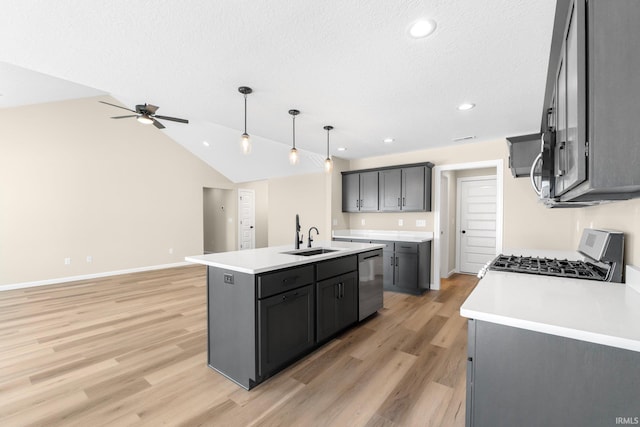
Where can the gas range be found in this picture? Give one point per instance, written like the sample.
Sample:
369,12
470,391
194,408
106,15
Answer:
603,252
548,267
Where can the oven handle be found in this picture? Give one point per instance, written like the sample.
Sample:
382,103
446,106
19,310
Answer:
531,172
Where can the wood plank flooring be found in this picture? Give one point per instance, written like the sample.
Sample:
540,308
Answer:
131,350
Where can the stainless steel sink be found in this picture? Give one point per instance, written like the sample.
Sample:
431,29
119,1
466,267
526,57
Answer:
310,252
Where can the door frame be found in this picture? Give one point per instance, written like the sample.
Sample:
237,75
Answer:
253,216
499,165
459,214
444,227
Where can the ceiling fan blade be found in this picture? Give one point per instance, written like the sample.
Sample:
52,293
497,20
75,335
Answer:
157,124
114,105
124,117
151,108
173,119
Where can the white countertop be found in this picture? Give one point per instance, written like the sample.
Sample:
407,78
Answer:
587,310
391,235
254,261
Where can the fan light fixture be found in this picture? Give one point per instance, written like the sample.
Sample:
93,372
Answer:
245,141
328,164
422,28
144,119
293,153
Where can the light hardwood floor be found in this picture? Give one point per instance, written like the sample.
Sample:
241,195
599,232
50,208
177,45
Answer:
131,350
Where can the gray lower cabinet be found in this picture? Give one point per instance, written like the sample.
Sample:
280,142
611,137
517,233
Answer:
337,304
281,339
517,377
259,324
406,266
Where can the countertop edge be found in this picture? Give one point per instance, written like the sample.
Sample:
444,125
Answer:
608,340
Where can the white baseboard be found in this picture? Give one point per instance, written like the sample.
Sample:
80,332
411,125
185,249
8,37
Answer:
90,276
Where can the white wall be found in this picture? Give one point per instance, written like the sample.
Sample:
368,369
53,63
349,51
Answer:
75,183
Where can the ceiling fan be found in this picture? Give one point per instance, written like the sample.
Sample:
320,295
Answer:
146,114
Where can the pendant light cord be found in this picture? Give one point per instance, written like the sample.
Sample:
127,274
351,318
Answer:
245,113
294,131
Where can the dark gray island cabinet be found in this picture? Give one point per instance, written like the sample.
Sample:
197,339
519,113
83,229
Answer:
259,323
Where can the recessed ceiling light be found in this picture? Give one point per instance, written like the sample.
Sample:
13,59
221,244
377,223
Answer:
388,140
342,148
466,106
205,143
422,28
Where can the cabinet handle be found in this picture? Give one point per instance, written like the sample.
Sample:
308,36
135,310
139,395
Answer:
284,297
399,201
396,261
392,261
360,202
289,279
357,203
404,202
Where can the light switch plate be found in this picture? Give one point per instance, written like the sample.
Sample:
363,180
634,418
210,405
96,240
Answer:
400,222
421,222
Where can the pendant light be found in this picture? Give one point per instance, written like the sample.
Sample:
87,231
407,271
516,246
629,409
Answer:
245,141
293,153
328,164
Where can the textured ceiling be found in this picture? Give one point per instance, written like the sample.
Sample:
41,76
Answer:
350,64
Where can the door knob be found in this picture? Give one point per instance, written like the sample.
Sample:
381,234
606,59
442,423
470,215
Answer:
464,231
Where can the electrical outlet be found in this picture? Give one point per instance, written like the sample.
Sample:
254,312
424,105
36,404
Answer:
400,222
228,278
362,221
335,221
67,261
421,222
170,251
89,259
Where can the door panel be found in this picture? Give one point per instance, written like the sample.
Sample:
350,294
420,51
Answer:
413,191
477,223
350,192
390,185
246,223
369,191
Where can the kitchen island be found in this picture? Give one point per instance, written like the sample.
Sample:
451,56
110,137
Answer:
268,307
552,351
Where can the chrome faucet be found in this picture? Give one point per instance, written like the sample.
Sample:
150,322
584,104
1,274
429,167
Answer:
298,236
310,239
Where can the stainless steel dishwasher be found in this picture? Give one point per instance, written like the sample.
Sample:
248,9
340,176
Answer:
369,283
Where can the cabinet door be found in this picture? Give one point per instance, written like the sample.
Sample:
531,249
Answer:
388,268
368,192
327,308
286,328
351,192
406,271
337,304
348,300
413,191
390,190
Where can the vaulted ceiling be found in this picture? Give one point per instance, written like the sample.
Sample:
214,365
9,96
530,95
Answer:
350,64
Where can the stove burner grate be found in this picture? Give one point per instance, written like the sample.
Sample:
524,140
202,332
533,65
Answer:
548,267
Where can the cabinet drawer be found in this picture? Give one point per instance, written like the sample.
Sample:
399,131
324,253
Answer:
388,245
410,247
284,280
336,266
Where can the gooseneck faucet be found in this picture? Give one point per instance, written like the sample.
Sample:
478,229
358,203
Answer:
310,239
298,236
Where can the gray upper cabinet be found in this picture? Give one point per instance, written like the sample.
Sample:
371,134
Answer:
405,189
590,102
360,192
389,189
390,194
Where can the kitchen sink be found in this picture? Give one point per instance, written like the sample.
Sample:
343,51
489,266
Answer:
310,252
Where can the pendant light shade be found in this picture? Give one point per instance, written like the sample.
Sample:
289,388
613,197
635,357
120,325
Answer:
328,163
293,153
245,141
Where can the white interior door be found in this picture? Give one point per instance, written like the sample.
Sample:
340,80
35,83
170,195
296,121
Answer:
476,227
246,219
